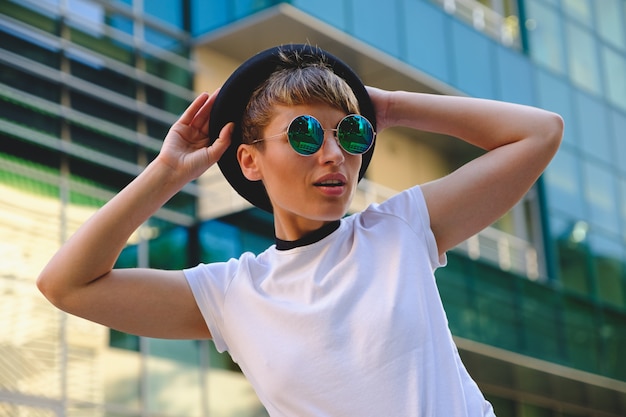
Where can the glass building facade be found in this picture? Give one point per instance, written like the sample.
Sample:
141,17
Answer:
88,89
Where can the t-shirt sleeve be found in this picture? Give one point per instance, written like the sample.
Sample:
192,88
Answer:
209,284
411,206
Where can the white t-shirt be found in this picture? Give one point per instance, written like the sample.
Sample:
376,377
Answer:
351,325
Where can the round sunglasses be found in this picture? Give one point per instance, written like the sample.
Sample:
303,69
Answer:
354,133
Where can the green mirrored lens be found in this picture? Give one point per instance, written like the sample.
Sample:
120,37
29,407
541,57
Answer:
305,135
355,134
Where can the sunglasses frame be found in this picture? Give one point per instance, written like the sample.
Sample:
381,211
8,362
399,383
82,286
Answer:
335,130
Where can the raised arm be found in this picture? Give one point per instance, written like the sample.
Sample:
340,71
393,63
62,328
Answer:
520,141
79,279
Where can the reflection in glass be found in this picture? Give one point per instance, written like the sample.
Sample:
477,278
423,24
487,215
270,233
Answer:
609,24
614,66
608,262
544,36
600,192
583,62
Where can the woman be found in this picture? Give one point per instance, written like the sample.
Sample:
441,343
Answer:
341,317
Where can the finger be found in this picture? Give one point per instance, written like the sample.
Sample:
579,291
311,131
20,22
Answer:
217,149
201,119
188,115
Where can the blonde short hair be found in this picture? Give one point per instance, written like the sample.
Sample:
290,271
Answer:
299,79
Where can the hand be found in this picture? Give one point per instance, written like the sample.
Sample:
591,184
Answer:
380,99
186,146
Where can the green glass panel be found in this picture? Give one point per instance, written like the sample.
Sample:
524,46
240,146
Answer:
496,307
581,334
455,287
540,316
28,15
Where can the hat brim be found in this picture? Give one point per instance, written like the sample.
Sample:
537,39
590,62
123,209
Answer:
233,98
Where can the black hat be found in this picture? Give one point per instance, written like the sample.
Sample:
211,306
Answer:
233,98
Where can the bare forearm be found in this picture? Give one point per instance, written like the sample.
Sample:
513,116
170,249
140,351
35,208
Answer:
92,251
484,123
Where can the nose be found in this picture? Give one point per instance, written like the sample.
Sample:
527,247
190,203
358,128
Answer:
331,151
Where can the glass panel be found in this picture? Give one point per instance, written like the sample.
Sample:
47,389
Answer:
583,61
103,44
555,93
455,287
572,254
614,336
543,26
168,246
591,125
218,241
423,21
529,410
608,260
174,385
618,129
581,332
102,110
495,305
578,9
29,117
104,143
31,15
622,204
164,41
29,83
209,15
609,23
170,11
513,66
473,71
28,45
168,71
600,193
166,101
614,66
121,376
370,14
540,309
93,69
563,185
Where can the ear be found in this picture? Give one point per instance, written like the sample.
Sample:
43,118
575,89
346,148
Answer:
247,158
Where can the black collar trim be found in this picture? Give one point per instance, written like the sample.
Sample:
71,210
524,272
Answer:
308,239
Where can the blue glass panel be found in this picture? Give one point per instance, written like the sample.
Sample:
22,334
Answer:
555,94
579,10
169,11
543,27
331,11
609,21
622,204
618,130
473,58
614,66
208,15
563,185
582,58
425,23
592,126
243,8
600,193
218,241
515,77
377,25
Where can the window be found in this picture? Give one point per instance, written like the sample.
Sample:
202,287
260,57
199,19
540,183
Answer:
582,58
544,36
